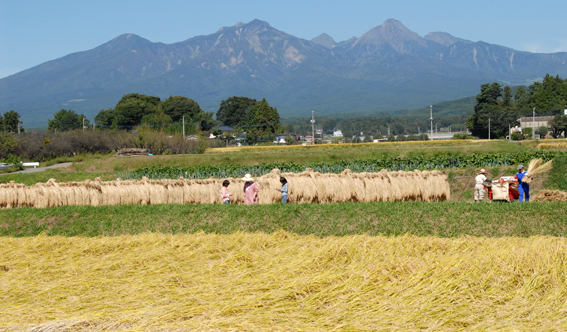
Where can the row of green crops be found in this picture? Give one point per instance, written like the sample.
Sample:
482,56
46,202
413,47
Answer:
369,165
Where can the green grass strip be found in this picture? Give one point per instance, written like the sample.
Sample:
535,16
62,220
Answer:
445,219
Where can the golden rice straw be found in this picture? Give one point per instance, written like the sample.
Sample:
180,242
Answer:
551,196
143,188
305,187
270,182
359,187
537,168
281,282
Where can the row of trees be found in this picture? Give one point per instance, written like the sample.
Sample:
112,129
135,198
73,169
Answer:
258,119
10,122
141,110
377,126
502,108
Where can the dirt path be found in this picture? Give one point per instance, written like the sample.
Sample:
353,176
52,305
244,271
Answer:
40,169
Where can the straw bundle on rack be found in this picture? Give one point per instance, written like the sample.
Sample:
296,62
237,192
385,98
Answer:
305,187
536,167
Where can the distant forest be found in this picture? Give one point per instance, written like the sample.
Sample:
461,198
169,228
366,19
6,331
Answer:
448,115
499,104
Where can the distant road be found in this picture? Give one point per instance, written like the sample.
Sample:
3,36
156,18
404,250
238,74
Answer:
40,169
441,136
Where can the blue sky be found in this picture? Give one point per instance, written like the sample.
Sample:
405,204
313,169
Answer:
33,32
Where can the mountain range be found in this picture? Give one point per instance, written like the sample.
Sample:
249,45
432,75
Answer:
388,68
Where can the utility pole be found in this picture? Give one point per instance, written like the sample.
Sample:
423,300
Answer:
489,128
436,127
388,130
183,128
533,125
431,118
83,125
18,128
312,127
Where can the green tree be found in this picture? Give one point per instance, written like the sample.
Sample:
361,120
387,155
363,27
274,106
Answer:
558,125
1,123
12,121
251,138
205,120
133,107
65,120
487,106
267,118
235,111
367,139
157,119
507,96
179,106
106,119
542,131
520,95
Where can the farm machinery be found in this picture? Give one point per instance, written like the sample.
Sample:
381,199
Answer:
505,189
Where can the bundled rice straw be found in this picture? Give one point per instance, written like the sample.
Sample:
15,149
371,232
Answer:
305,187
282,282
536,167
551,196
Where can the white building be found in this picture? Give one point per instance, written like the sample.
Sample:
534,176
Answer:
337,133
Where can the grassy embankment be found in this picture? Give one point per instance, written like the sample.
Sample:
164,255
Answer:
444,219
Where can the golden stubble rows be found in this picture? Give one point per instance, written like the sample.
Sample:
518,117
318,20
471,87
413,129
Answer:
282,281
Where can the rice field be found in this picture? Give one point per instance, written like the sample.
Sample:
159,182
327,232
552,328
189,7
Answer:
73,259
282,282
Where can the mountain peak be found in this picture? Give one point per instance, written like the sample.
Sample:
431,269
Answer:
393,23
325,40
391,33
444,38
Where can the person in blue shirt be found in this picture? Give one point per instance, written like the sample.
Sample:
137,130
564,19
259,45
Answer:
284,189
523,188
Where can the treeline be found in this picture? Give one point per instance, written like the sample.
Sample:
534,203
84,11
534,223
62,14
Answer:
379,126
257,119
498,107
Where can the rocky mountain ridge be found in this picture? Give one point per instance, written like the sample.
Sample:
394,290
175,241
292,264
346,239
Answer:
388,68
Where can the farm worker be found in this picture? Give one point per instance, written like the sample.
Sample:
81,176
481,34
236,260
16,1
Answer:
479,186
523,188
225,195
250,190
284,189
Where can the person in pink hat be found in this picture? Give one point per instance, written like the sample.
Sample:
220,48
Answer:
250,190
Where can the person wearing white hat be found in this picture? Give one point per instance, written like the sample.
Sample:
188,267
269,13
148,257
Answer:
250,190
479,186
523,188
